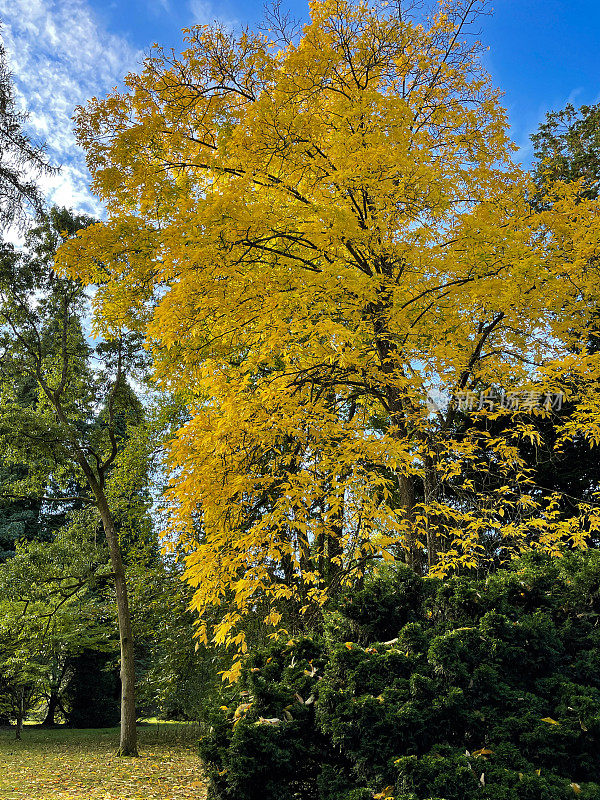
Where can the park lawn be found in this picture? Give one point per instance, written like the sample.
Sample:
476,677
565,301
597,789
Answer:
64,764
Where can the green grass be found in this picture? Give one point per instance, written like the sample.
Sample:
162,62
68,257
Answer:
65,764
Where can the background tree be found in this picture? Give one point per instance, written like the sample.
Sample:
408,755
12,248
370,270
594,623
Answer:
22,161
52,615
40,319
567,148
30,511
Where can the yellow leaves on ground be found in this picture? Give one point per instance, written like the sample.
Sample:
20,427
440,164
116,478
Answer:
82,765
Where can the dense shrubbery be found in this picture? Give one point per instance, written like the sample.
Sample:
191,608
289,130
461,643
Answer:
92,695
469,689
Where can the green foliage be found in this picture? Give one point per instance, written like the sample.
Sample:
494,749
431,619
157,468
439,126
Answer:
378,611
42,341
81,433
567,148
53,607
488,690
179,677
19,517
266,743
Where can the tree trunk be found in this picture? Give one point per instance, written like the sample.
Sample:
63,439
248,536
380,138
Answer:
379,312
335,547
128,741
49,721
430,485
128,738
20,714
95,481
413,555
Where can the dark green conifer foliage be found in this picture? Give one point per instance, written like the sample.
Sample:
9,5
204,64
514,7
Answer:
22,161
488,690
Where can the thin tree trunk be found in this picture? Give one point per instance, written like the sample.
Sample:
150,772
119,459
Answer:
430,485
128,741
20,714
128,738
406,487
95,481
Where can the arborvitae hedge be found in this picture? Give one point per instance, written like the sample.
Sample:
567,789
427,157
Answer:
418,689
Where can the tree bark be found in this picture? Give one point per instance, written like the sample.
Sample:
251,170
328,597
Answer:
128,740
20,714
413,556
430,486
49,721
379,312
128,737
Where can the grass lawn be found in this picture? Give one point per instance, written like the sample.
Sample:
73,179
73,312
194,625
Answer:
64,764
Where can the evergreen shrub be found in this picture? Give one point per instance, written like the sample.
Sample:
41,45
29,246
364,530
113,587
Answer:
417,689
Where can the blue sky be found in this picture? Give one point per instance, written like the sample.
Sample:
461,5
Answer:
543,54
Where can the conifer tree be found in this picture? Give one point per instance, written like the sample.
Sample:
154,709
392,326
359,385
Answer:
22,161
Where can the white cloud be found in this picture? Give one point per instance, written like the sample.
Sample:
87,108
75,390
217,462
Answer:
202,12
160,5
60,56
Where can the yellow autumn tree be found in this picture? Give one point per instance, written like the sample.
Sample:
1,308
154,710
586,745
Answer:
317,234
